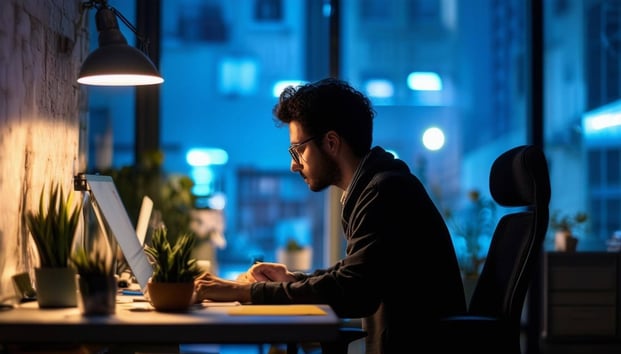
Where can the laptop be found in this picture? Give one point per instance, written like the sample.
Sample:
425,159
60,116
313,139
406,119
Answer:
112,212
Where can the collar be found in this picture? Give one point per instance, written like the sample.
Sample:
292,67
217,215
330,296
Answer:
354,178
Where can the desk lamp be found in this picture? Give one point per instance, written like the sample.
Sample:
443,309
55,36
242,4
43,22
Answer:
115,63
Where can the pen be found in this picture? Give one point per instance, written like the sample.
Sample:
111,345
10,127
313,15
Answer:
131,292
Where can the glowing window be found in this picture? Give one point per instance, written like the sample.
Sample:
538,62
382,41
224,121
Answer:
424,81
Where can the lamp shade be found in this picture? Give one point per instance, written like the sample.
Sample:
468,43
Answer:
115,63
118,65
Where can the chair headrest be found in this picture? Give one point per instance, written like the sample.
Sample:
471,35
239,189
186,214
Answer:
519,177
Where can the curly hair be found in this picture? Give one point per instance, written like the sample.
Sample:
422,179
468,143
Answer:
329,104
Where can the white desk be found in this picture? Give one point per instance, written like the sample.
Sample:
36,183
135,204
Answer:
28,324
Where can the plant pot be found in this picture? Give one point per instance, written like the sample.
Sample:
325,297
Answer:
56,287
170,297
96,294
564,241
571,244
299,260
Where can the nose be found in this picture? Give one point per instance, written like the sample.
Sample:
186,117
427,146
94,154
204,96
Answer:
295,167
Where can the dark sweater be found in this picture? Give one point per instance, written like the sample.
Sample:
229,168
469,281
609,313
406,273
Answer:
400,270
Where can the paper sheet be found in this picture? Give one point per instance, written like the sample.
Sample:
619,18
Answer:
207,303
276,310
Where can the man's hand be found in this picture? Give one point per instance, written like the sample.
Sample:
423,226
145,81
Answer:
269,272
245,277
210,287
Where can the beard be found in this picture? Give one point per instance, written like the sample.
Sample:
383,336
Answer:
326,174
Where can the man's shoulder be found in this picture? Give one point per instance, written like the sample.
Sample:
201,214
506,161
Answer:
402,177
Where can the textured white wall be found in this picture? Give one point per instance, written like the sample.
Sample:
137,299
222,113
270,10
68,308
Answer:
42,44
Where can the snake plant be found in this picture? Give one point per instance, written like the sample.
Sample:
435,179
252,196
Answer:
91,264
172,262
53,226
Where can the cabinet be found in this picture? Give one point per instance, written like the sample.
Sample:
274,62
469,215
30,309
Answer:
582,296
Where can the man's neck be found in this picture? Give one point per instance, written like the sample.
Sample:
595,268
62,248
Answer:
348,169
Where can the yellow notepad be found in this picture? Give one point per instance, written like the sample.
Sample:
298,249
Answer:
276,310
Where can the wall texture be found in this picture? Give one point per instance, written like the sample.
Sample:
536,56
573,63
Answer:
42,114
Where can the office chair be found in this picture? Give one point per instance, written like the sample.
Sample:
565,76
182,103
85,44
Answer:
518,178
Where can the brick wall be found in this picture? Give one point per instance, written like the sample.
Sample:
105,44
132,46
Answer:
42,115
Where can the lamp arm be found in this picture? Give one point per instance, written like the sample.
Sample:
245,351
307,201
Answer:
99,4
118,14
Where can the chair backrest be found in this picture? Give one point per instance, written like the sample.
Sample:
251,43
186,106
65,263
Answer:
518,178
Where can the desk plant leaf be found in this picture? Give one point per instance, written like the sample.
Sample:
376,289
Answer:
293,245
474,223
91,264
567,222
172,262
53,226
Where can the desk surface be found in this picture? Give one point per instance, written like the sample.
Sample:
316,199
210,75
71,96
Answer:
137,323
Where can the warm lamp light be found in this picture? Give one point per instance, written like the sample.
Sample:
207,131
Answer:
115,63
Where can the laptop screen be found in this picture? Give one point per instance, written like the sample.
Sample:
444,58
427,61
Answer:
107,198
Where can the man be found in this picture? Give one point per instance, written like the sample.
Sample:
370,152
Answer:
400,270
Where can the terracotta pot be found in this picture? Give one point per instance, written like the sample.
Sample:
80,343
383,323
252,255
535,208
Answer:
170,297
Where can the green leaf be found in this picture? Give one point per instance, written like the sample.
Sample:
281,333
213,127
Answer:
172,262
53,227
93,263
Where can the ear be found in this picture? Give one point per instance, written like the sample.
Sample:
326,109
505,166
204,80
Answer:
332,142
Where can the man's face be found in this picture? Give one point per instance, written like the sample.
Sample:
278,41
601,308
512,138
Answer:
316,166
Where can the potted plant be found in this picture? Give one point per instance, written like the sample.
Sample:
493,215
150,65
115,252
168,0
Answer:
172,194
564,226
472,228
475,224
53,228
171,286
97,282
295,256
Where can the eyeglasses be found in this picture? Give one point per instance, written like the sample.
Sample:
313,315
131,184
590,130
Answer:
294,149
